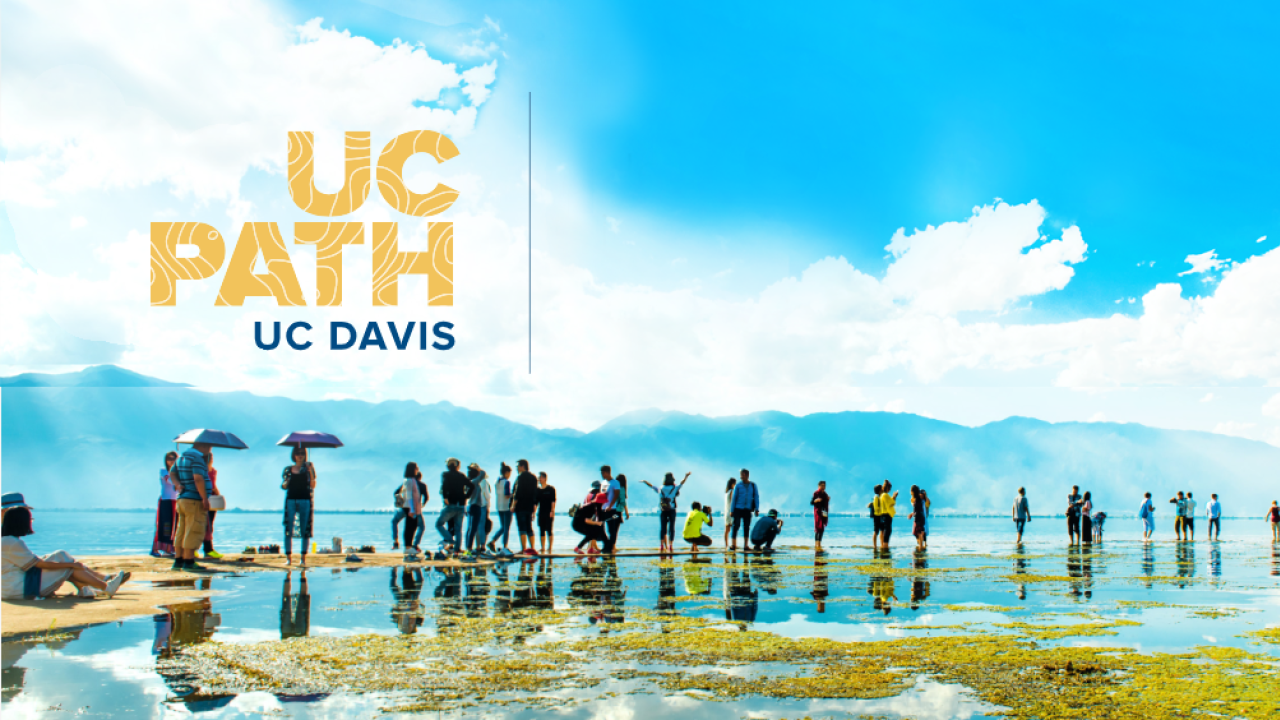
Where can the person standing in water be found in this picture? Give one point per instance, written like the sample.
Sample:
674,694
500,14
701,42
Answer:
1213,511
1179,502
886,508
917,515
546,513
1021,512
667,495
1073,514
1189,519
1273,517
746,505
478,502
821,503
875,517
1147,512
1086,519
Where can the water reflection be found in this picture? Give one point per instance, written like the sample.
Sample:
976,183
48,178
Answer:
884,593
295,610
12,674
1080,568
1185,557
820,590
666,589
741,601
1215,560
1275,560
696,580
919,583
1020,568
186,624
406,607
1148,562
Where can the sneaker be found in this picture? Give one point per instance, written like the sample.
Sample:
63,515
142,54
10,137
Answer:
467,558
577,551
440,557
593,551
178,566
87,592
113,585
354,558
531,552
199,568
213,555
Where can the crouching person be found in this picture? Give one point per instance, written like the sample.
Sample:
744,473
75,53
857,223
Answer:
765,530
27,576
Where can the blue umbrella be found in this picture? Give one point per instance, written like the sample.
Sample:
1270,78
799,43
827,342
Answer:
311,439
216,438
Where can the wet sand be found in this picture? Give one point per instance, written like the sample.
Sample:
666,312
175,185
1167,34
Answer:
150,586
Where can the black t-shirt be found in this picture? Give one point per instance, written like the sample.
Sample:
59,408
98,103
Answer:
585,513
526,492
546,498
299,483
454,487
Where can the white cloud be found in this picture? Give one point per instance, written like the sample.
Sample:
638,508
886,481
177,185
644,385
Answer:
78,222
1207,398
1204,262
982,264
1271,408
1236,429
896,406
614,224
1098,417
1262,239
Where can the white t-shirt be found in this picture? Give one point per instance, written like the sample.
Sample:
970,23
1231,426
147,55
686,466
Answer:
15,560
1191,508
167,490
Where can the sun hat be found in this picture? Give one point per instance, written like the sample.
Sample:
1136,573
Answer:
13,500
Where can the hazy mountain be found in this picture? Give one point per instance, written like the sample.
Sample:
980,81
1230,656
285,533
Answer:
96,439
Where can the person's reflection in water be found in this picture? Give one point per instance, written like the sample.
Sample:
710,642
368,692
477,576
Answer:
765,573
696,581
820,581
666,588
885,594
448,594
1215,561
502,595
1185,557
742,602
406,608
585,588
544,594
613,595
476,602
1148,562
919,583
1020,568
1275,560
184,624
1075,570
295,610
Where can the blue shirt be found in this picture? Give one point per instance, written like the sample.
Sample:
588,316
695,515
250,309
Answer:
190,464
746,497
613,495
763,529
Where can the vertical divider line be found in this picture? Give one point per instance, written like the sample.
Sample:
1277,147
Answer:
530,232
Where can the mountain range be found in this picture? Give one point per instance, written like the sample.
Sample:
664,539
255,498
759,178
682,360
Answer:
96,439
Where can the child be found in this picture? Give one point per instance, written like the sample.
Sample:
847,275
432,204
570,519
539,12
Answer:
1098,519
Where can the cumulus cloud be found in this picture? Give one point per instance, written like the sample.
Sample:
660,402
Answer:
992,259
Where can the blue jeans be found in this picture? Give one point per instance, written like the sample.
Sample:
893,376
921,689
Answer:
300,509
396,519
449,525
504,527
477,515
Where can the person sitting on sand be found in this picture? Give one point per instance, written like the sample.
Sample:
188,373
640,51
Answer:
693,528
26,576
764,532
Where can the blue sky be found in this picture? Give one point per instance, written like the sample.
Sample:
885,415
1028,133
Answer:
1151,126
715,188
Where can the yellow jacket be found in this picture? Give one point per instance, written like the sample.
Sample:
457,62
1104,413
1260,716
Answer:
885,504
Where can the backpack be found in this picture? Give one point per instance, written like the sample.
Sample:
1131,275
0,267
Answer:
667,500
573,511
399,497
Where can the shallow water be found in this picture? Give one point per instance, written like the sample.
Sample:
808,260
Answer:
972,580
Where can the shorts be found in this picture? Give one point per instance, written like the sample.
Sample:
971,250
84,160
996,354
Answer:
701,541
886,527
1149,523
1020,524
524,520
545,524
1189,524
192,518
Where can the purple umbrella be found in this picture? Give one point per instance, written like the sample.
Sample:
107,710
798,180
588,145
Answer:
216,438
310,439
